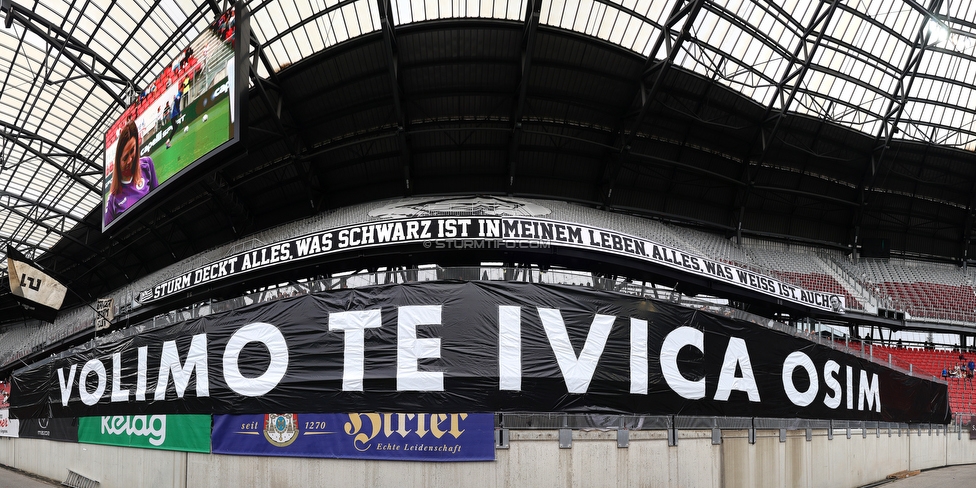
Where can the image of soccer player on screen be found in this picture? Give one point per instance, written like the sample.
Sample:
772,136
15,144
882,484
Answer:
132,177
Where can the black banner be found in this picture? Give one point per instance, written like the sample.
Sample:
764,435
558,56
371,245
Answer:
57,429
476,347
478,233
352,237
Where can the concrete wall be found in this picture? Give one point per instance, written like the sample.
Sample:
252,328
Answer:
960,451
927,451
535,459
819,462
110,465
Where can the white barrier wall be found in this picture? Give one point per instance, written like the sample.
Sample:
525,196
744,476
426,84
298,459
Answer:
926,451
819,462
534,458
110,465
960,452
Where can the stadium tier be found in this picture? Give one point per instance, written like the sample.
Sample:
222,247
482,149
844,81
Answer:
924,293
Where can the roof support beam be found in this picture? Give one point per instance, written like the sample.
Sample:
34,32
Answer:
684,12
889,123
274,106
99,70
305,20
66,235
214,7
239,215
287,124
284,126
532,11
814,196
22,135
800,61
32,204
967,232
389,41
21,138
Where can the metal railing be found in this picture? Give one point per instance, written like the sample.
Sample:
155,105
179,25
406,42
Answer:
565,423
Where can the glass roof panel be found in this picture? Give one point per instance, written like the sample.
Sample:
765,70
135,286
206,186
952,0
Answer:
854,76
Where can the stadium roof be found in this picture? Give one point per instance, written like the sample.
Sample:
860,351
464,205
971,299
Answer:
817,122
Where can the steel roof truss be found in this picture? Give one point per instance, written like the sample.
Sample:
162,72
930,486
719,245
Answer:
33,204
279,111
532,13
800,62
389,40
72,49
15,138
892,117
685,11
239,216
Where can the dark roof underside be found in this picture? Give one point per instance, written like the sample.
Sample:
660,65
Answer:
491,107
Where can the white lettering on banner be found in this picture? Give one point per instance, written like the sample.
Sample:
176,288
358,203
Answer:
66,384
118,394
576,371
490,229
797,359
354,325
638,356
735,374
868,392
272,339
737,357
489,233
196,358
266,256
171,286
214,271
585,237
91,397
451,228
143,352
673,342
850,388
831,368
410,349
139,425
509,348
220,90
410,230
310,246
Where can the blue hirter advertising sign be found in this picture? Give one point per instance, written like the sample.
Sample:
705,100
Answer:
389,436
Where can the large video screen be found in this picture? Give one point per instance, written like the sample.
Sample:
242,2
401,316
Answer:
190,113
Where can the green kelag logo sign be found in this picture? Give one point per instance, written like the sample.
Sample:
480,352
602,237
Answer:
170,432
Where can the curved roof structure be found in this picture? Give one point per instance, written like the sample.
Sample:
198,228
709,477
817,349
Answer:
817,122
